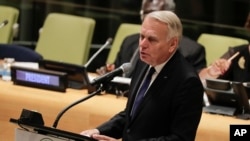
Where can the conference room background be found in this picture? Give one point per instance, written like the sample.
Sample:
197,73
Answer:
226,17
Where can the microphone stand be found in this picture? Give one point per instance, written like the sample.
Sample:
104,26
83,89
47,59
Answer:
109,40
75,103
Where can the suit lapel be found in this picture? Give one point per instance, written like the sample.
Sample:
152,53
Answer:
154,89
136,86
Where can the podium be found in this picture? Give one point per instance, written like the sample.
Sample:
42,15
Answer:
35,132
23,135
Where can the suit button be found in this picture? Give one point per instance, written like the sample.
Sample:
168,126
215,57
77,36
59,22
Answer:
128,130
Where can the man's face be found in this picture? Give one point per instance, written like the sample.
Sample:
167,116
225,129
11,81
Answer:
155,47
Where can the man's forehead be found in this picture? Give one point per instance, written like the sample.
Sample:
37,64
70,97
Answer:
151,27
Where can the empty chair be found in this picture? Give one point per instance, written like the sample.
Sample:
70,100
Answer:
19,53
123,31
9,14
66,38
217,45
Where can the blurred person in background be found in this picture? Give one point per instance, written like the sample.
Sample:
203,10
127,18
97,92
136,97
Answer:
235,69
247,23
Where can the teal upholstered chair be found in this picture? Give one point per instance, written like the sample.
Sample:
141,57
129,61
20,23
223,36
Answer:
216,45
9,14
123,31
66,38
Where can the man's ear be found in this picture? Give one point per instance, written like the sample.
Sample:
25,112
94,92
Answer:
173,44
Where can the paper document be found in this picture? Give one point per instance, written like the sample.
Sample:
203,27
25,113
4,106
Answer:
26,65
121,80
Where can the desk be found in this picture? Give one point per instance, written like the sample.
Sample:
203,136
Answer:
14,98
216,127
88,114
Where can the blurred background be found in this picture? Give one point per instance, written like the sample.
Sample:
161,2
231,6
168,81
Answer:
226,17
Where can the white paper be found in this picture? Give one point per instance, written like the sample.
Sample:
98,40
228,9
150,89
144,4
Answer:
26,65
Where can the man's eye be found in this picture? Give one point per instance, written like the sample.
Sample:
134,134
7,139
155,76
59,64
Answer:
151,39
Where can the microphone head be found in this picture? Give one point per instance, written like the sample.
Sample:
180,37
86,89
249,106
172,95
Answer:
109,40
125,67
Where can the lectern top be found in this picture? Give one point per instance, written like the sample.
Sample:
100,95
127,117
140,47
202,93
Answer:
53,131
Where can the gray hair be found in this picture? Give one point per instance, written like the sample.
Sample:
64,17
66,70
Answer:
171,19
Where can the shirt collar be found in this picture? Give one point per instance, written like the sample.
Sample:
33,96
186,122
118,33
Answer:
159,67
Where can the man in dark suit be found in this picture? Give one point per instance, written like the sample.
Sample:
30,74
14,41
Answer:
192,51
171,107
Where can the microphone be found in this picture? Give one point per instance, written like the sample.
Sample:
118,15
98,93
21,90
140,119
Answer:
3,23
107,77
124,68
108,42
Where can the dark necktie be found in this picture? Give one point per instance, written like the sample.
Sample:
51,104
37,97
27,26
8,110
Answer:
142,91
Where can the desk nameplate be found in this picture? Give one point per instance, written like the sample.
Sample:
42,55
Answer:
39,78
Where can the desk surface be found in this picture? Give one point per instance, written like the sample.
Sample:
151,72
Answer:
88,114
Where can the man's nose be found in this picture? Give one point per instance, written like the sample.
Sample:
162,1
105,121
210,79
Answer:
144,43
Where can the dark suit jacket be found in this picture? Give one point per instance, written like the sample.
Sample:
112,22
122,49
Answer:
191,50
170,111
19,53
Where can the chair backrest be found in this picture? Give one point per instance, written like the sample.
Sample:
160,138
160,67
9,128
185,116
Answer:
66,38
11,15
123,31
19,53
217,45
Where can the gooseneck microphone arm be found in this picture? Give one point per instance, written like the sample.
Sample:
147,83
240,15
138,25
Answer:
124,68
105,78
75,103
108,42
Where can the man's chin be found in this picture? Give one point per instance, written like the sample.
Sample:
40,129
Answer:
145,60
